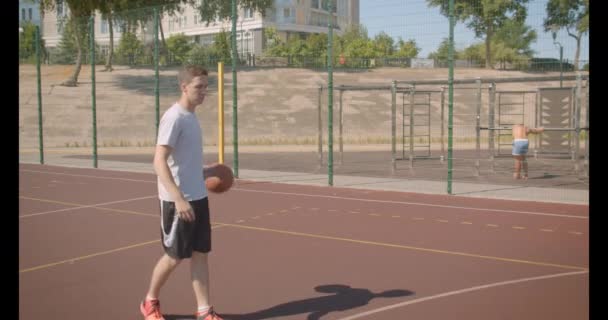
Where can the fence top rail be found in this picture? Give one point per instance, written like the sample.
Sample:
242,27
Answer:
493,80
358,87
546,129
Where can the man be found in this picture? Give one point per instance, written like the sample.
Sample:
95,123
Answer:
184,207
520,148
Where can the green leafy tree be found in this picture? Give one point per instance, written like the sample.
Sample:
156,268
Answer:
360,48
179,46
572,15
383,45
80,11
275,46
352,33
202,55
484,17
211,10
517,36
27,42
510,44
442,51
474,52
68,49
407,49
129,48
317,44
134,14
221,47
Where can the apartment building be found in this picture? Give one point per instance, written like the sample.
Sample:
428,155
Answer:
289,17
29,12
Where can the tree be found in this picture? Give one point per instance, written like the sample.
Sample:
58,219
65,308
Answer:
517,36
129,47
573,15
485,17
80,11
179,46
211,10
352,33
474,52
383,44
442,51
407,49
27,42
360,48
68,49
138,13
106,7
317,44
221,47
275,46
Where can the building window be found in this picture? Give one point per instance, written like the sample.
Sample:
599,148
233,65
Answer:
286,12
314,4
104,26
22,14
248,13
60,12
29,13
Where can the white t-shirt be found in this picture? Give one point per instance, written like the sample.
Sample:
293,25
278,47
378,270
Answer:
180,129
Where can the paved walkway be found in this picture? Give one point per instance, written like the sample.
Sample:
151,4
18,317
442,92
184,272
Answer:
517,191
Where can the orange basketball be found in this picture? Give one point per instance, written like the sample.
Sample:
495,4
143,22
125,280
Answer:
218,177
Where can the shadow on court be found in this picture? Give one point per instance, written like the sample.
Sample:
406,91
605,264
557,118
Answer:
343,298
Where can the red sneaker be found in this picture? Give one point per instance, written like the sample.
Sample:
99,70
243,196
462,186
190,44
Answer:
208,315
150,309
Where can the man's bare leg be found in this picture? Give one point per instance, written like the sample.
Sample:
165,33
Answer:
199,271
160,274
518,161
525,165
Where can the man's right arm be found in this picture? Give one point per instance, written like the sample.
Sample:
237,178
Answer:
536,130
182,206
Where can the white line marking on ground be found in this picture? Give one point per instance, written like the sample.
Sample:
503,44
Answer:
89,176
451,293
336,197
416,203
72,260
79,207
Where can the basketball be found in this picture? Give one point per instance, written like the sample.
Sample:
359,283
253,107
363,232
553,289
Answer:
218,177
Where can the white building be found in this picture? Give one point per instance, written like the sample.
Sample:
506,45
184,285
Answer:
288,17
29,11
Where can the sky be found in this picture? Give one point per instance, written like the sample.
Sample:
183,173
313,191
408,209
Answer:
413,19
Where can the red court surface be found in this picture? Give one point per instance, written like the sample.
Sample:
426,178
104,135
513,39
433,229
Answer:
89,238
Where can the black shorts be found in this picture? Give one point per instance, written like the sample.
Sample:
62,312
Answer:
179,237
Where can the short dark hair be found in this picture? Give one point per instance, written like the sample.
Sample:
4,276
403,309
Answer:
189,72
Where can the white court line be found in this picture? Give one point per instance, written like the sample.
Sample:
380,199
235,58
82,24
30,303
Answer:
416,203
89,176
78,207
451,293
354,199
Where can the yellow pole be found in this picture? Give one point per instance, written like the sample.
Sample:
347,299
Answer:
220,111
